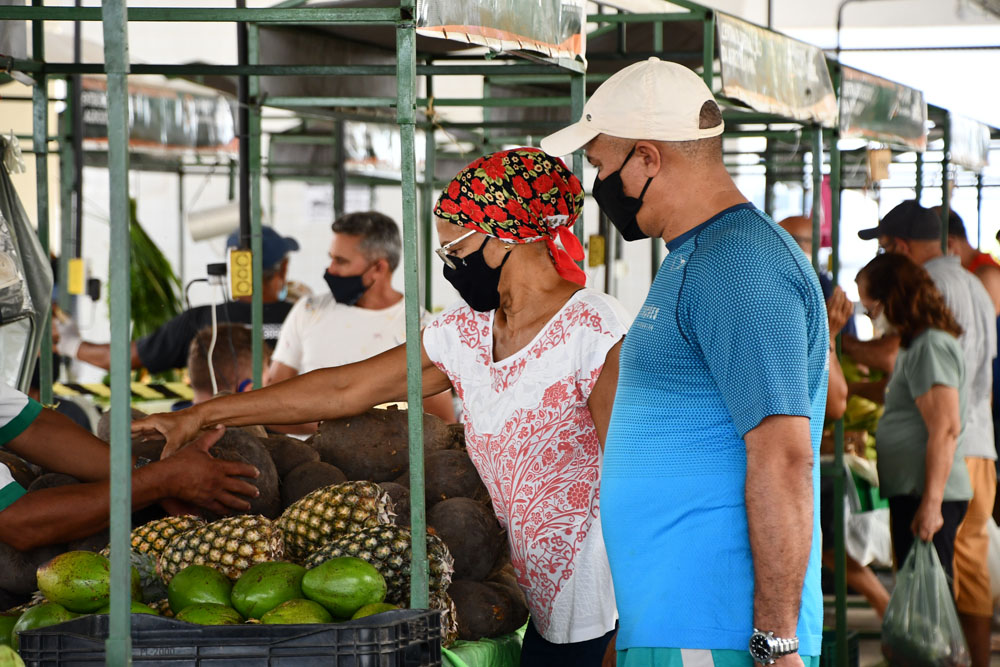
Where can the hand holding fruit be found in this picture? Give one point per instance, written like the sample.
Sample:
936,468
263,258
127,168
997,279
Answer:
177,428
195,476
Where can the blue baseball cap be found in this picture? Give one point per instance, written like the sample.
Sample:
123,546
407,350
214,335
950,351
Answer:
275,246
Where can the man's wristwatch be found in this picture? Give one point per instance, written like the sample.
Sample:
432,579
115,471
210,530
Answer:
765,648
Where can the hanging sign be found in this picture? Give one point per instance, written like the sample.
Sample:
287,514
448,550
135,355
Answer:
774,73
881,110
551,27
970,142
161,119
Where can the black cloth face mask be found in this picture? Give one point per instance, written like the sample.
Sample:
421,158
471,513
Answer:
619,207
346,289
477,282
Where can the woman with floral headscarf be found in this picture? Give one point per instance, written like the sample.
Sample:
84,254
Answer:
533,357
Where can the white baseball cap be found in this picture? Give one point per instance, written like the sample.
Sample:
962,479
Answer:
654,100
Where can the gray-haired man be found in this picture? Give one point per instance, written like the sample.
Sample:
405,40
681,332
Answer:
361,315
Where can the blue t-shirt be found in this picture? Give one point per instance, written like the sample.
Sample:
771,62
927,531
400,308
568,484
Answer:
733,330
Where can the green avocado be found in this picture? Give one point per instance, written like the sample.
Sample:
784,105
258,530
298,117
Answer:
344,585
209,613
136,608
41,616
198,583
372,609
297,611
9,658
266,585
7,622
80,581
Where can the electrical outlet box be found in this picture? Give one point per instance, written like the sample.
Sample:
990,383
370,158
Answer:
76,280
241,272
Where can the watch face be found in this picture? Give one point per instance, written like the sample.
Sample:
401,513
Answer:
760,647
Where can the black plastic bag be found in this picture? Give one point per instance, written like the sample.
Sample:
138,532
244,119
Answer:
920,627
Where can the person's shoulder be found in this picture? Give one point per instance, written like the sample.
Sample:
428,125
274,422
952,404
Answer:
605,306
741,237
937,341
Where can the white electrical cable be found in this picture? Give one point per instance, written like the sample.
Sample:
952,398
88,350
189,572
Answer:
211,346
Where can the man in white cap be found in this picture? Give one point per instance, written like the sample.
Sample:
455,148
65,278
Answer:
710,475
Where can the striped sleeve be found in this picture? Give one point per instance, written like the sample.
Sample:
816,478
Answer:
17,411
9,489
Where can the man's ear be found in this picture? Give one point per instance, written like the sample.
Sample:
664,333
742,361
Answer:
649,157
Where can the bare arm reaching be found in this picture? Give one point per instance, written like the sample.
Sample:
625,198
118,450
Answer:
326,393
54,515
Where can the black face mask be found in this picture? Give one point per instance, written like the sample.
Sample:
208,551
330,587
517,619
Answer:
619,207
346,289
477,282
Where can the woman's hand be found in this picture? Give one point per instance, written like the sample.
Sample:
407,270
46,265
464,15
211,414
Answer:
178,428
928,520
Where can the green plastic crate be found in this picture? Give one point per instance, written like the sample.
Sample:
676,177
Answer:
828,655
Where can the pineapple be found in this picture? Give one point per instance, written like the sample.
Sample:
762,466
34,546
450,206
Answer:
388,549
441,601
230,545
153,537
145,563
330,512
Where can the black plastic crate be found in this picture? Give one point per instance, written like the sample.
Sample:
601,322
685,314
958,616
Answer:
828,655
400,638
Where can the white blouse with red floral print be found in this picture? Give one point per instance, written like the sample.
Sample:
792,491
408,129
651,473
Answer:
530,435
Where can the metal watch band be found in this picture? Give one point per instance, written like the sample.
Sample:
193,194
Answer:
785,645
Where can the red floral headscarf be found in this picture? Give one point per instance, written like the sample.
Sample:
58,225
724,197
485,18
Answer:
520,196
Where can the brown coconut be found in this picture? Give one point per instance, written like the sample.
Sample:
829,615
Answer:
373,445
485,610
238,444
51,480
472,534
288,453
449,473
306,478
17,568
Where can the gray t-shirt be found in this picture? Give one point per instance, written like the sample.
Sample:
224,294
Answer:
933,358
973,309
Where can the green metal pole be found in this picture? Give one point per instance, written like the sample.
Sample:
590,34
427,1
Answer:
817,193
839,543
945,183
918,188
66,179
708,48
115,19
427,205
256,245
40,126
406,82
339,169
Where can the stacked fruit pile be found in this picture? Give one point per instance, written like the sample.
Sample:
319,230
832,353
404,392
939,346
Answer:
343,493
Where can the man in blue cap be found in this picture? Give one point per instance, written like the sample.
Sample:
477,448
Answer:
167,347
